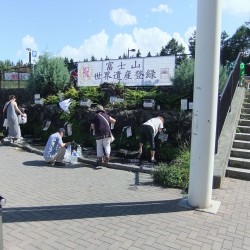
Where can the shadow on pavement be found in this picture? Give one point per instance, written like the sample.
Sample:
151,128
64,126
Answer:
70,212
38,163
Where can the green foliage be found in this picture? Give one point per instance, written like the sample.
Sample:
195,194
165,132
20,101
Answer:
191,44
183,81
119,89
172,48
93,93
5,65
49,76
51,99
71,93
168,101
166,152
134,98
232,46
176,174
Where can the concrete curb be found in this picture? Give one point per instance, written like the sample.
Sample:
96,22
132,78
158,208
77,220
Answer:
132,168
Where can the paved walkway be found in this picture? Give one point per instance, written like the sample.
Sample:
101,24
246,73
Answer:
82,208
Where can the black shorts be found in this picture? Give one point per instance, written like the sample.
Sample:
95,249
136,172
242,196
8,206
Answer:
147,135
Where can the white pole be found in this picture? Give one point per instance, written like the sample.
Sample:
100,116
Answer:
206,80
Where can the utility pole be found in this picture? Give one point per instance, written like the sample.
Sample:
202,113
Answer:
132,50
29,49
207,64
2,203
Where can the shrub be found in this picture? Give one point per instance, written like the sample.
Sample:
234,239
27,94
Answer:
93,93
51,99
176,174
71,93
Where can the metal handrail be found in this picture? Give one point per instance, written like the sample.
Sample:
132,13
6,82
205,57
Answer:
226,96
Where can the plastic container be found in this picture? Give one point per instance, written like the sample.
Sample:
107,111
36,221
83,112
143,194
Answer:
74,157
68,153
79,151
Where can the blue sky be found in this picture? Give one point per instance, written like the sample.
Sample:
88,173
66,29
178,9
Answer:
78,29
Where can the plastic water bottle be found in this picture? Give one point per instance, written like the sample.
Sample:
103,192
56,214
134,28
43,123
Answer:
68,153
74,157
79,151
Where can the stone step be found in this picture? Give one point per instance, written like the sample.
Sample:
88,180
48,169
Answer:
242,136
239,163
243,129
237,173
244,122
245,116
246,105
245,110
241,144
240,153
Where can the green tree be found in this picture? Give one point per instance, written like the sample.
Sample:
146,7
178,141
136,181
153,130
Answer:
6,65
19,63
149,54
172,48
183,81
239,42
49,76
93,58
138,54
191,44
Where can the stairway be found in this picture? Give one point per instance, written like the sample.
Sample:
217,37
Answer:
239,160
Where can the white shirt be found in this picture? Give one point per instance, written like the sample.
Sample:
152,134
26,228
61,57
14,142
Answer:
156,123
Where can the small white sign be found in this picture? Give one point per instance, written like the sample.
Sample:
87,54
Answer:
129,132
46,125
190,105
39,101
69,129
112,99
37,96
149,103
184,104
85,103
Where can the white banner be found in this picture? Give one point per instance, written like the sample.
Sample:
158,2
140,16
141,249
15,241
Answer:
147,71
14,76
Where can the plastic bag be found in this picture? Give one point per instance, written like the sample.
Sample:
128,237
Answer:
112,138
22,119
5,123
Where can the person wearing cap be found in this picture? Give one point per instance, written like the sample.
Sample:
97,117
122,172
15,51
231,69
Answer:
101,128
55,148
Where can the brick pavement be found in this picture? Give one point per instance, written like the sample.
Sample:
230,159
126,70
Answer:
83,208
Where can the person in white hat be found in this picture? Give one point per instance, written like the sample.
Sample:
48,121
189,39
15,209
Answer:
101,128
